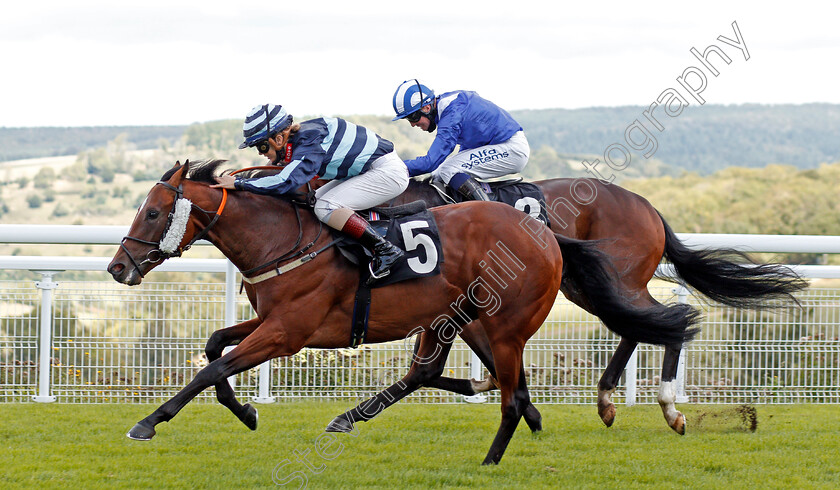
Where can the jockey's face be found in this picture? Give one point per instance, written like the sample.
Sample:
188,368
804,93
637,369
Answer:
424,122
270,149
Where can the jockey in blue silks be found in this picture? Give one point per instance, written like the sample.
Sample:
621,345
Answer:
362,167
492,143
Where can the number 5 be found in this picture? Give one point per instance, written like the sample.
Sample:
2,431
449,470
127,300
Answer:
412,241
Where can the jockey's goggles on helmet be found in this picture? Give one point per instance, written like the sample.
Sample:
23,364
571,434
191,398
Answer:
415,116
262,147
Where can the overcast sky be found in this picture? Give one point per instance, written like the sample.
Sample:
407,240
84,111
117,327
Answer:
82,63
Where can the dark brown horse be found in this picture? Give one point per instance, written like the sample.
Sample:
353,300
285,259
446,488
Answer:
635,238
308,300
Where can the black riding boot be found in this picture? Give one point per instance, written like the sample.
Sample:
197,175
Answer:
471,189
385,253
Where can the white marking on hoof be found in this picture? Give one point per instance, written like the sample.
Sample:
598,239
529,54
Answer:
667,398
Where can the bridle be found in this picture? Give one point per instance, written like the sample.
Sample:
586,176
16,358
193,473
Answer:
157,255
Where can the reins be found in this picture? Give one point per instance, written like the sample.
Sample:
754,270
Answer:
291,254
156,255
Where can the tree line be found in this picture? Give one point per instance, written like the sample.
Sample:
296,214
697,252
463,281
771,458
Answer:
704,139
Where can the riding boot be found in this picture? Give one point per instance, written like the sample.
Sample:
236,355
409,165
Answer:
385,253
471,189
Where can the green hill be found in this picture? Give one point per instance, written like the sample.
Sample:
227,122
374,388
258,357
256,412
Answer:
21,143
701,139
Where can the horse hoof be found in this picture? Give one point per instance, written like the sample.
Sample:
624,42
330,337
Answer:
533,419
251,417
340,424
607,414
679,424
141,432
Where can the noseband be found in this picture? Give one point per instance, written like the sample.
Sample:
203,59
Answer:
156,255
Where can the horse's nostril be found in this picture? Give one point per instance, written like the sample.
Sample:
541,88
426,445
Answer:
116,268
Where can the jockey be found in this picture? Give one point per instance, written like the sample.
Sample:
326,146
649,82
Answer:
491,142
363,170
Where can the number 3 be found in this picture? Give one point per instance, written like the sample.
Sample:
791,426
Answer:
529,205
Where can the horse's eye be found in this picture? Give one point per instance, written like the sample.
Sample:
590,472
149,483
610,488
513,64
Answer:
152,214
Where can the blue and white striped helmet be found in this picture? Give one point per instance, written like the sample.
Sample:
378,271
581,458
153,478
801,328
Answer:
263,121
410,96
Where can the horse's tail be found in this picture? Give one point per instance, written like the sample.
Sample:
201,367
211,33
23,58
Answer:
720,276
587,269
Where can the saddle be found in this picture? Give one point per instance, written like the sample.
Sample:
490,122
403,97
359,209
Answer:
411,227
524,196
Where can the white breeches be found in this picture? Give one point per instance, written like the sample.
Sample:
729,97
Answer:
386,179
488,161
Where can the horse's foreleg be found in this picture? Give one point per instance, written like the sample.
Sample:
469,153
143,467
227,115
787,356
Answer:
609,380
251,352
668,389
224,393
429,360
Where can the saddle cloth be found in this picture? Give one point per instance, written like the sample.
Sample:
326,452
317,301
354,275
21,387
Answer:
524,196
412,228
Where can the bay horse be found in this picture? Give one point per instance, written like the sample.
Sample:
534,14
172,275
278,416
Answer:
308,300
635,238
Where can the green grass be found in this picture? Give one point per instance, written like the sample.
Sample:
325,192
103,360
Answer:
419,446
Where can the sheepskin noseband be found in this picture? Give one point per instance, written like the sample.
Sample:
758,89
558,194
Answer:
175,233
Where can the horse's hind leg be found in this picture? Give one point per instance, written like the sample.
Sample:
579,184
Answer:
609,380
514,397
668,389
474,336
429,362
464,387
224,393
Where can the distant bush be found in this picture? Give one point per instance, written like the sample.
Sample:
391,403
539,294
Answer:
60,210
34,201
45,178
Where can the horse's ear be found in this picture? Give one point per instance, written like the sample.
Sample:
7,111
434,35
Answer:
177,168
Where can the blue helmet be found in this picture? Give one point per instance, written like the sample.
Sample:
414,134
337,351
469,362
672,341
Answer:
263,121
410,96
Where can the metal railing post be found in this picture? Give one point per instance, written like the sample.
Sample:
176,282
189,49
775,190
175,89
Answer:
682,298
265,384
630,376
230,308
46,285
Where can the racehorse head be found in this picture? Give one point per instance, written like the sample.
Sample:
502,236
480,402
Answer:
163,228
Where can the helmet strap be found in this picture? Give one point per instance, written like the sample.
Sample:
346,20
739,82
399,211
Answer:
432,115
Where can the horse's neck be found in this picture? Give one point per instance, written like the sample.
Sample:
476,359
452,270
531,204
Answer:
255,229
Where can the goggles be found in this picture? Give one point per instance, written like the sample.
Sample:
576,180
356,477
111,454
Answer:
262,147
415,116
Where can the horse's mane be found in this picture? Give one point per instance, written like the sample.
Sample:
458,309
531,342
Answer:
206,171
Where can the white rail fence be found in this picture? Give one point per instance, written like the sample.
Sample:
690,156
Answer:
97,341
